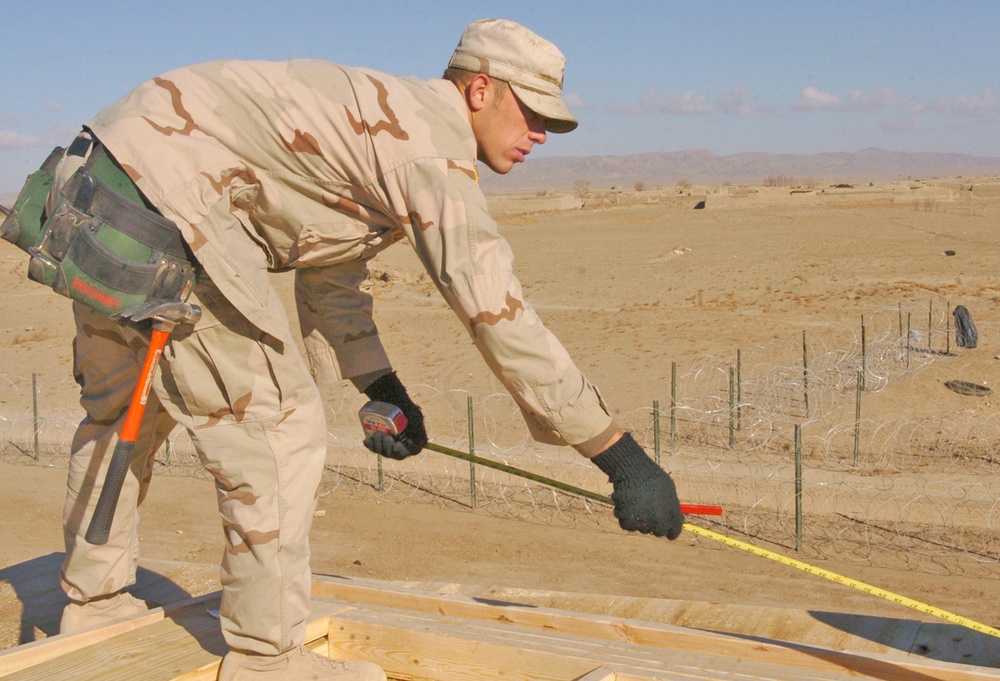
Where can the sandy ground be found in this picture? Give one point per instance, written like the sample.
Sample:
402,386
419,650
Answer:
629,284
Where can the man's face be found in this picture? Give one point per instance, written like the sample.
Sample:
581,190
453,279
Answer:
505,130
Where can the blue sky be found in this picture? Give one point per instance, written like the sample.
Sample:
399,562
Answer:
729,77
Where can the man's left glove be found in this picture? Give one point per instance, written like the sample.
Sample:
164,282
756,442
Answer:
389,389
645,497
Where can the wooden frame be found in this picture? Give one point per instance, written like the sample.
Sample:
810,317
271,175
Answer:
420,636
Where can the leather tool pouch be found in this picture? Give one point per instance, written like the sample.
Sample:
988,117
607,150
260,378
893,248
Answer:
98,247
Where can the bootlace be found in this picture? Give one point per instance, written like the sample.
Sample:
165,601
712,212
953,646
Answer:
316,658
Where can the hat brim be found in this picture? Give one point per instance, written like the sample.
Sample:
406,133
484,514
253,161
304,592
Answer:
558,118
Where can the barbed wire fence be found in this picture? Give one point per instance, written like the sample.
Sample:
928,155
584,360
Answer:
916,493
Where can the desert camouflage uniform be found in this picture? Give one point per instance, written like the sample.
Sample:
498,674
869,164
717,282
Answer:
314,167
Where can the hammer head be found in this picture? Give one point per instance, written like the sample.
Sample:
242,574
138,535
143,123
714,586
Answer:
168,313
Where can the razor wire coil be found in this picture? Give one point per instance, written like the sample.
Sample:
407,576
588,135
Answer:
909,493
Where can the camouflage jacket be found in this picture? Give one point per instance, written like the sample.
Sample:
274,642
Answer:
317,167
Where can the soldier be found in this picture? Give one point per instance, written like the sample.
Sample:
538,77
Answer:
313,167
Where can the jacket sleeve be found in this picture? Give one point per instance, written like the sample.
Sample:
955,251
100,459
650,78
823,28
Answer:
335,317
446,219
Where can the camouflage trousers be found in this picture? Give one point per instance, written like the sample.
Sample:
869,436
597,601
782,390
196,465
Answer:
257,423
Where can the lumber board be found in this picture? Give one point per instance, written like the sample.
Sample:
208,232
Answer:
600,674
861,634
20,657
607,673
662,636
433,647
840,631
421,636
32,601
412,648
159,651
185,643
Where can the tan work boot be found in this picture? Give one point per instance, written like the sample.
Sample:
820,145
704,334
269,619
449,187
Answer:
297,664
99,612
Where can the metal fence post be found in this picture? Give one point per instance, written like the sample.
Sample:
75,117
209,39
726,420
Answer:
472,451
656,430
798,487
34,412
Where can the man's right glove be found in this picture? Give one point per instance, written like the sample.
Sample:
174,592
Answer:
645,497
390,389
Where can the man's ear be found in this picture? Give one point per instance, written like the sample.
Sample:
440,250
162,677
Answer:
478,92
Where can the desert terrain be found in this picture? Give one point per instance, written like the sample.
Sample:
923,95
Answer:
637,284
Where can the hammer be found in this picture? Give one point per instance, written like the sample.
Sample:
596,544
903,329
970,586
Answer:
165,314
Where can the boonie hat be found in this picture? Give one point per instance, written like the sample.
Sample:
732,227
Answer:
532,65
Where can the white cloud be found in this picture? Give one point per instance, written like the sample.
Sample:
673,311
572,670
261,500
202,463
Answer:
575,101
879,99
654,103
736,102
688,103
913,105
984,105
56,134
894,112
737,99
9,139
812,99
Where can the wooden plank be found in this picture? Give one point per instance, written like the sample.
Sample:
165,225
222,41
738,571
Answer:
921,638
186,644
418,636
32,601
607,673
600,674
657,635
428,653
624,675
30,654
160,651
432,647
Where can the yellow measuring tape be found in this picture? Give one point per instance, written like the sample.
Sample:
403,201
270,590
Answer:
846,581
764,553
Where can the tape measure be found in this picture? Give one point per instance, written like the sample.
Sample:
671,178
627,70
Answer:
846,581
382,417
387,418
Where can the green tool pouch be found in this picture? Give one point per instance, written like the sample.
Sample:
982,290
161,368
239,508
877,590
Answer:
97,246
25,226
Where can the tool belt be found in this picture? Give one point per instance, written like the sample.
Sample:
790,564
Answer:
102,244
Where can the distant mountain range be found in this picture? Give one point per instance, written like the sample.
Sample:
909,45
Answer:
698,166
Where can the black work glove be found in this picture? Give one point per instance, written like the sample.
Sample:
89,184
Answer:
645,497
389,389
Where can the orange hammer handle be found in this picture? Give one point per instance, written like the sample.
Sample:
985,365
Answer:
137,407
121,458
